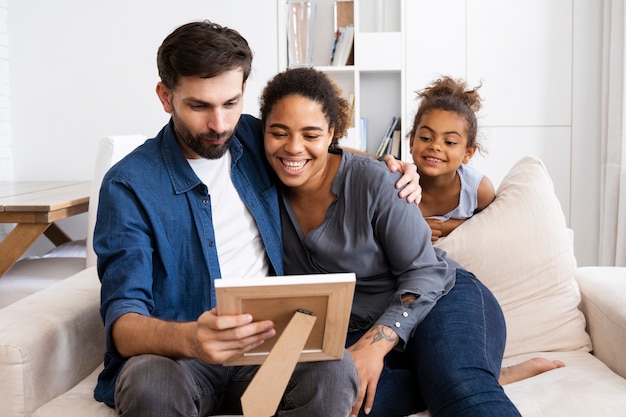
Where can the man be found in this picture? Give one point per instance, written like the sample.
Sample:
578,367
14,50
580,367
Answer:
194,204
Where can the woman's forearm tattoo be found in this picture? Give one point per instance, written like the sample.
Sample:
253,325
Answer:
380,332
376,334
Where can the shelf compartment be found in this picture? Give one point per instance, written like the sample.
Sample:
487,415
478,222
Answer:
378,51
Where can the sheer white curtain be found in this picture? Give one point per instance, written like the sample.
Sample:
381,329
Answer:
612,249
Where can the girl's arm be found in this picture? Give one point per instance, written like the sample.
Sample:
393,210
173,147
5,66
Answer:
446,227
485,193
485,196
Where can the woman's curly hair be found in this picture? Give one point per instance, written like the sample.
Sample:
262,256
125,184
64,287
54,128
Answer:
314,85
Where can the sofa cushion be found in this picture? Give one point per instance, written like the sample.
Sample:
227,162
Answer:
79,402
591,389
603,291
585,387
520,247
49,341
30,275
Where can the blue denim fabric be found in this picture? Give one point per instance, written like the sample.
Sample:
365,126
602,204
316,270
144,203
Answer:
452,363
154,233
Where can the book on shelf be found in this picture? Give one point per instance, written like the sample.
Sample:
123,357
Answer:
396,144
342,52
343,46
386,139
334,50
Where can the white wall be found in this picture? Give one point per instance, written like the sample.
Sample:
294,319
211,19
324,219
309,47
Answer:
81,70
6,151
539,65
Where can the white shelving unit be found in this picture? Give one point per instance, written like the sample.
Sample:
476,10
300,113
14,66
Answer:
377,78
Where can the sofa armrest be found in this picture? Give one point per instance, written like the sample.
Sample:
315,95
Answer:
49,341
603,302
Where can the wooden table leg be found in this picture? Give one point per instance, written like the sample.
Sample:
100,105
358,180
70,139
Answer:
17,242
266,389
56,235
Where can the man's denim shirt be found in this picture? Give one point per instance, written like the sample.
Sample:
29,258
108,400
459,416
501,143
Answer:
154,233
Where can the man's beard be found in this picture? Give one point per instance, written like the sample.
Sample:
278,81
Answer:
198,143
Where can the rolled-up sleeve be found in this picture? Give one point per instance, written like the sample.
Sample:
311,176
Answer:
123,245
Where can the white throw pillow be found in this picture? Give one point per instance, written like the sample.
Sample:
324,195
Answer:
520,247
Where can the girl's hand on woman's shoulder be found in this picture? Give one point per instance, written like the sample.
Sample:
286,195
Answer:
409,183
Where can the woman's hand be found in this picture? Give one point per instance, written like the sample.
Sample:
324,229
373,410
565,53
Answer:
368,354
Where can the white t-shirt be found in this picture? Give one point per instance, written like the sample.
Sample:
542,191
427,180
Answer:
239,244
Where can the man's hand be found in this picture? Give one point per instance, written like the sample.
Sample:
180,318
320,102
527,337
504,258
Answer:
219,338
212,338
408,184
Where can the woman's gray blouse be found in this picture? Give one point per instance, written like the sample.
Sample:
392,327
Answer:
380,237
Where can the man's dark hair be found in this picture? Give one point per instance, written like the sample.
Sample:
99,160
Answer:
202,49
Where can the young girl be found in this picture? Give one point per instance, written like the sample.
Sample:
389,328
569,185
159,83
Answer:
442,142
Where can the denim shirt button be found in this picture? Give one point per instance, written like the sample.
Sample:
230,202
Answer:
211,244
397,324
405,314
205,202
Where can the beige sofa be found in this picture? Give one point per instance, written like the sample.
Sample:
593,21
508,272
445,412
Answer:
51,342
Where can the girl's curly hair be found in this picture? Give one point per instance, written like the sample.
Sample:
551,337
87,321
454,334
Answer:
452,95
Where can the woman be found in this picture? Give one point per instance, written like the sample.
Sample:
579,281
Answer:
424,333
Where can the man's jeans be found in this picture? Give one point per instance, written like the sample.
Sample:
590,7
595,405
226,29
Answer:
452,363
150,385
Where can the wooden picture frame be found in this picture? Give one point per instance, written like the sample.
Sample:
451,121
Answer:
327,296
